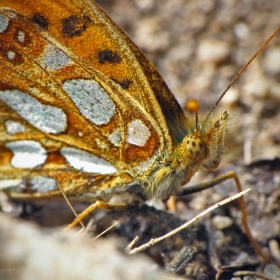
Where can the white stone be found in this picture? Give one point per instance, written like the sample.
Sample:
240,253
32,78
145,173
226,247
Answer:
271,60
241,30
272,270
222,222
213,51
232,97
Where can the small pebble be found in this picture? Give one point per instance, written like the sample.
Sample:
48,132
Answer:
272,270
258,87
241,30
213,51
219,238
222,222
274,249
271,61
145,5
206,6
232,97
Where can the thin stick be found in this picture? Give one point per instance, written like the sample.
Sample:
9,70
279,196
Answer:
89,224
69,204
105,231
157,240
131,244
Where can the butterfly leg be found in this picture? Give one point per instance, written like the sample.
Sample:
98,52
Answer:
218,180
98,204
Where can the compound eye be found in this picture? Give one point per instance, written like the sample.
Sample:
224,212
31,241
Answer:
195,148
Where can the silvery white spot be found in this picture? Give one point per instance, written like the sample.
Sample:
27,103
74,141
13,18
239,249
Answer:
80,134
27,153
43,184
93,102
144,165
54,58
14,127
11,55
116,137
9,183
4,22
47,118
21,36
138,133
87,162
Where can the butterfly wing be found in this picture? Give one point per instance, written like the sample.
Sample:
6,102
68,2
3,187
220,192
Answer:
75,90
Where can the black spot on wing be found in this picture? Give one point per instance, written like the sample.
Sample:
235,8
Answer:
40,20
74,26
108,55
124,84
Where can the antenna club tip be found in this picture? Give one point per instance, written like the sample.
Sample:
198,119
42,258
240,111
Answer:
192,105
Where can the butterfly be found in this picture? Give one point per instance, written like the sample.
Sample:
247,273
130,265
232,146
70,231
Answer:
83,110
80,100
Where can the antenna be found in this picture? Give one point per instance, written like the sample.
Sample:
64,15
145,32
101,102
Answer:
242,70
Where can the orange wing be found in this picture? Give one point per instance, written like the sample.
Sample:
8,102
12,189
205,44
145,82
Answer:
75,91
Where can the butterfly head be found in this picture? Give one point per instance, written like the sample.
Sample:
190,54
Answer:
201,147
205,145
